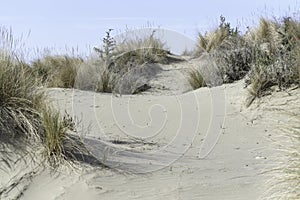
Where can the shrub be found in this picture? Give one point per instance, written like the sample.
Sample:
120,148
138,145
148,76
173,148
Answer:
275,58
234,60
230,51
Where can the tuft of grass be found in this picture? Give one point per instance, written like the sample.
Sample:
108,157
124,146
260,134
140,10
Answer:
141,49
19,103
212,41
26,121
57,71
105,82
56,135
196,79
93,75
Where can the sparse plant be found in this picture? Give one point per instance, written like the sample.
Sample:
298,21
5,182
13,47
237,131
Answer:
234,61
105,80
109,45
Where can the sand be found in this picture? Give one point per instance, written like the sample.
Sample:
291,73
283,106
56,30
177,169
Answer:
166,143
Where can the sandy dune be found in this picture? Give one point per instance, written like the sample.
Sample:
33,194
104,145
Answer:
163,144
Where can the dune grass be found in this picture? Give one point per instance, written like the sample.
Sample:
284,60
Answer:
228,49
267,55
19,103
141,49
56,136
57,71
26,121
212,41
118,58
292,171
285,181
196,79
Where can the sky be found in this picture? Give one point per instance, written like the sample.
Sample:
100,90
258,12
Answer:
81,24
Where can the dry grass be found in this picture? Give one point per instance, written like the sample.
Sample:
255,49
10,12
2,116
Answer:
121,60
196,79
106,82
137,49
56,135
212,41
26,122
93,75
285,181
19,99
57,71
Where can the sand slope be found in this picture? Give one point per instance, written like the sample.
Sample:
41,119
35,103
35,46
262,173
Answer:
199,145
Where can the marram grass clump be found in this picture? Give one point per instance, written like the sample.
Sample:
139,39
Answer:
57,133
196,79
26,121
57,71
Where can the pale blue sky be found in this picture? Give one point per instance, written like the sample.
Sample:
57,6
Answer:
56,23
